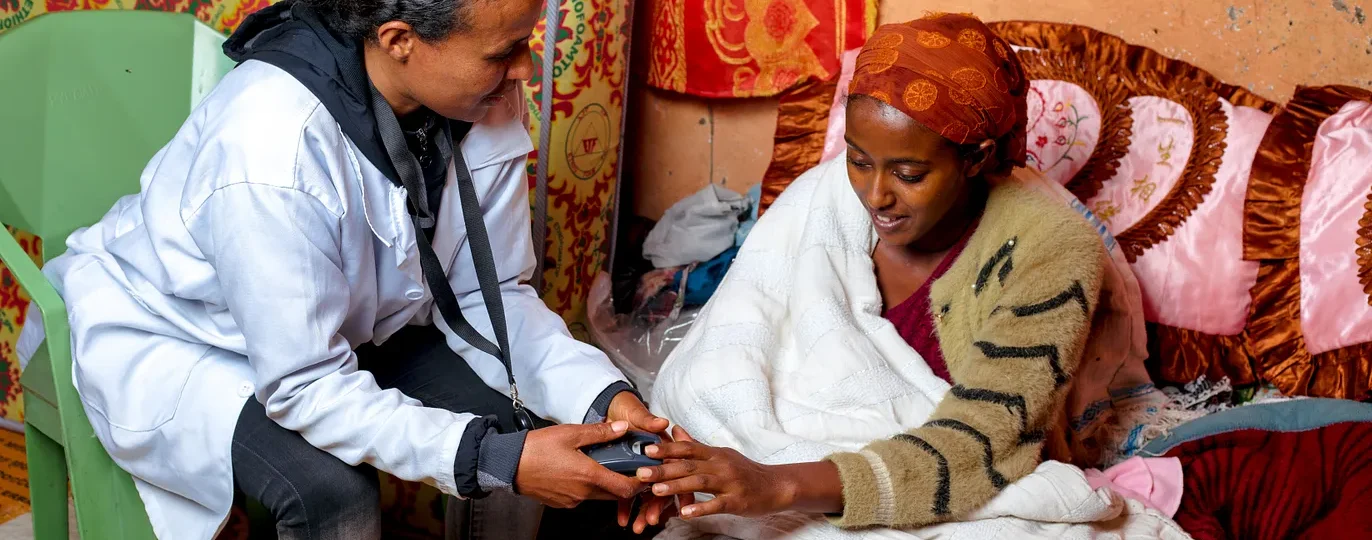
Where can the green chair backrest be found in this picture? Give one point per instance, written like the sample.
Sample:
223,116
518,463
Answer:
87,98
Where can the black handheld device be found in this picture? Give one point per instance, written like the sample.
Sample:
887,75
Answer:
625,454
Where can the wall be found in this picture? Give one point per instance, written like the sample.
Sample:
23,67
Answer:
680,143
1269,47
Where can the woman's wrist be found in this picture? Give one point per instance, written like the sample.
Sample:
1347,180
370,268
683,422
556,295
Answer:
813,487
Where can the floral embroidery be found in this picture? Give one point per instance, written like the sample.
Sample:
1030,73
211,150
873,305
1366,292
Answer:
1070,120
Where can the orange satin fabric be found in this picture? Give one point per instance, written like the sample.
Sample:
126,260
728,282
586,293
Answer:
951,74
802,119
1278,347
1191,354
1272,224
1272,215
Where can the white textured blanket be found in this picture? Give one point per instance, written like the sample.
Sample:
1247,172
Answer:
1054,502
792,361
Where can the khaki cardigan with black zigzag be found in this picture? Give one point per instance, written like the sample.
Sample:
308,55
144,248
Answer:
1013,314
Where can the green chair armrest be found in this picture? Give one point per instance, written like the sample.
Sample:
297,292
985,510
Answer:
50,304
51,382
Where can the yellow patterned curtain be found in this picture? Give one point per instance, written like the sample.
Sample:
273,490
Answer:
588,72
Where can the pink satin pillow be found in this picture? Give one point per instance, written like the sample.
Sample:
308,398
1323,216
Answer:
1196,278
1335,311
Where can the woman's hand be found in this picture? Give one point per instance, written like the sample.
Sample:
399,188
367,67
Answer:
627,407
740,485
554,471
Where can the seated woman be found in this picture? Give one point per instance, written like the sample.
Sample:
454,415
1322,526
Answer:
896,342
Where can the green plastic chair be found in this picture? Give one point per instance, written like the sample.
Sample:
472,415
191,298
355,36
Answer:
89,97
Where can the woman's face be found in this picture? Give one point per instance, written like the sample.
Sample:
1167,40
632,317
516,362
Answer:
907,176
465,74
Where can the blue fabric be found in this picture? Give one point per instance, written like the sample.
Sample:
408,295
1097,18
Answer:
706,276
746,226
1295,415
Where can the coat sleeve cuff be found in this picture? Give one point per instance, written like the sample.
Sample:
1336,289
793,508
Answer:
600,408
862,497
498,461
480,452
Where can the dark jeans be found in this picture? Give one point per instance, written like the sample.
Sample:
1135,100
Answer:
315,496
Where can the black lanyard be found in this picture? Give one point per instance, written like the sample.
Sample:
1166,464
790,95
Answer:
411,177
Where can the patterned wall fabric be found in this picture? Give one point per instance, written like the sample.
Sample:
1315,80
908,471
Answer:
222,15
752,48
589,73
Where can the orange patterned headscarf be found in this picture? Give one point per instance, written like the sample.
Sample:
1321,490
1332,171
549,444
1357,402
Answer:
951,74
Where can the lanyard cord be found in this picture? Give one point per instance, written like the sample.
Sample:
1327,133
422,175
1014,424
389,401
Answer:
407,167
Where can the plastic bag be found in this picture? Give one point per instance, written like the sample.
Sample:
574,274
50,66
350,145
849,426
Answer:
637,349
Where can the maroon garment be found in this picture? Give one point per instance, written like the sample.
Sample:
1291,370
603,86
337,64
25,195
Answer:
1259,485
915,321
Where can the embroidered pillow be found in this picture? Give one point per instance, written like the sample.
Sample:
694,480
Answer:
1176,199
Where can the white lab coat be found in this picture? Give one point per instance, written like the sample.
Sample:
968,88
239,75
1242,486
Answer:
261,250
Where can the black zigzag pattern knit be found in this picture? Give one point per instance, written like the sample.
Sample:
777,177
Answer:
943,493
988,458
1002,255
1014,403
1075,292
1048,351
